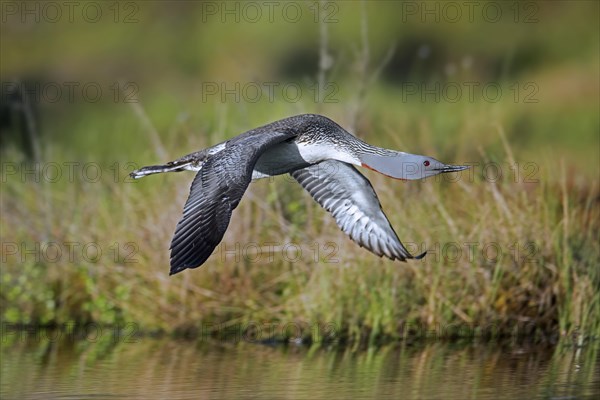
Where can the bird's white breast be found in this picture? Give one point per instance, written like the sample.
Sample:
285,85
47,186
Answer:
289,156
314,153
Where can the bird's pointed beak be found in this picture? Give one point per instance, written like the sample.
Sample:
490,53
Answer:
452,168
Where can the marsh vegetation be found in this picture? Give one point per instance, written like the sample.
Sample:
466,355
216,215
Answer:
514,243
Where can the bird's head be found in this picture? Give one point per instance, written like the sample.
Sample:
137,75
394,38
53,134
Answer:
407,166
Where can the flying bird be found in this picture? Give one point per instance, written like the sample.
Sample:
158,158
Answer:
320,155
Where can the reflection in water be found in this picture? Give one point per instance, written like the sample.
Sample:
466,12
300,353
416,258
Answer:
46,366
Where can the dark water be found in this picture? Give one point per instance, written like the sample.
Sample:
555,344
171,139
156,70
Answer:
58,367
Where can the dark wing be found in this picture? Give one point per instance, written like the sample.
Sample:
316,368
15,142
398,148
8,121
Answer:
216,191
344,192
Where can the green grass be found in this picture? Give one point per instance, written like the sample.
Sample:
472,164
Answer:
541,216
514,255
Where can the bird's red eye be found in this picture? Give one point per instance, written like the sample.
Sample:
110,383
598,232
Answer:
426,163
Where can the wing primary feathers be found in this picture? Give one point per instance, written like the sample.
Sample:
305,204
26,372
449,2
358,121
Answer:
215,192
351,200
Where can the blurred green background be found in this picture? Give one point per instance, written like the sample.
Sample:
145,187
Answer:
515,83
173,52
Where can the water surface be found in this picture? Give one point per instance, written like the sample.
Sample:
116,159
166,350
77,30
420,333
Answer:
59,367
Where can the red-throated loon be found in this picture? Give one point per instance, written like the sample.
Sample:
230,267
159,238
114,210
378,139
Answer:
317,153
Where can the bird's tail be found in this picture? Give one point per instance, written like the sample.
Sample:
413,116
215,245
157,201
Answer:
173,166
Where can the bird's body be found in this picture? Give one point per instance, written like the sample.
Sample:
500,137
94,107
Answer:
319,154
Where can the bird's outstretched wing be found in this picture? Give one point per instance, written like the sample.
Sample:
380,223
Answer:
216,191
343,191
